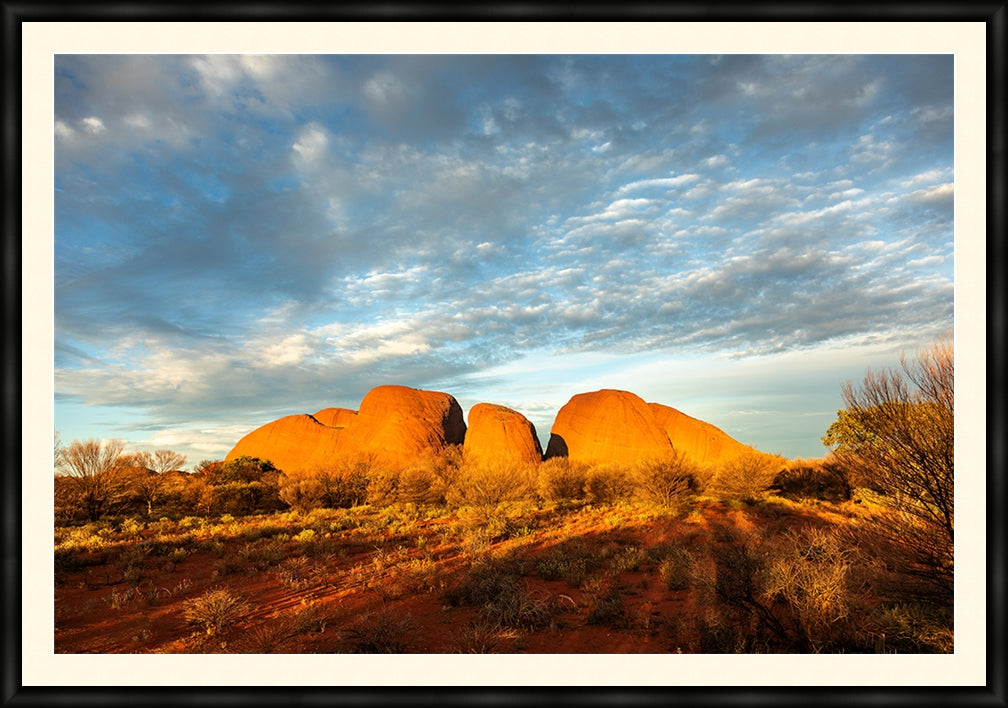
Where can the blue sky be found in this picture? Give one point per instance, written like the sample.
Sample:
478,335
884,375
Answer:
242,237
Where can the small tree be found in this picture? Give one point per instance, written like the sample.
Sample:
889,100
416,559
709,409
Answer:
147,477
897,435
241,486
96,470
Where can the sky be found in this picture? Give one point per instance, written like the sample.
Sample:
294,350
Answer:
244,237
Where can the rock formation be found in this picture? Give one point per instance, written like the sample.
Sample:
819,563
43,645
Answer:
701,442
501,433
607,426
336,417
394,427
294,443
397,426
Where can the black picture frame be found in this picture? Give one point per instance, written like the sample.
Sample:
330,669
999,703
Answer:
15,694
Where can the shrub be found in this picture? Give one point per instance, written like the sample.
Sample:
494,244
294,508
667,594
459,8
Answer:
340,484
571,562
608,608
131,561
382,487
738,588
242,486
606,484
131,527
494,586
559,479
675,568
911,628
383,633
482,636
215,609
428,480
488,482
667,481
307,619
305,536
630,559
809,572
814,479
295,572
747,476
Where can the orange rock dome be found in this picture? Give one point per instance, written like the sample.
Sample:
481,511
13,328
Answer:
700,442
501,433
607,426
294,443
394,427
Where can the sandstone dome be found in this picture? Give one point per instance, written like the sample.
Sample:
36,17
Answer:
701,442
294,443
607,426
497,432
396,425
336,417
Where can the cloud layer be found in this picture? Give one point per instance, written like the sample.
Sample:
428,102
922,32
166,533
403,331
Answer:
243,237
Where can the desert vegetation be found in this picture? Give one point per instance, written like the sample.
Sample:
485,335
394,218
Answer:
475,554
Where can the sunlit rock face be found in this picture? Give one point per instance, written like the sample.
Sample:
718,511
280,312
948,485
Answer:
336,417
397,425
294,443
607,426
499,433
701,442
394,427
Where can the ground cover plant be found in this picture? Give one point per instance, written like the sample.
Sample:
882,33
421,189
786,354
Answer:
770,574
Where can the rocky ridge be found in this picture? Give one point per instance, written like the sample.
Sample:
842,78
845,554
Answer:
397,425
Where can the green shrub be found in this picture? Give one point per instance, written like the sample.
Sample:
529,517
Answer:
305,536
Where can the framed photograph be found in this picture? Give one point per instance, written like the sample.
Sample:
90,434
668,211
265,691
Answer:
628,357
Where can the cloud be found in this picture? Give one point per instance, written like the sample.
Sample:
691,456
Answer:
238,236
311,143
93,124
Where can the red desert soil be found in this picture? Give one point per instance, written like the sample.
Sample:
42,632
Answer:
378,590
